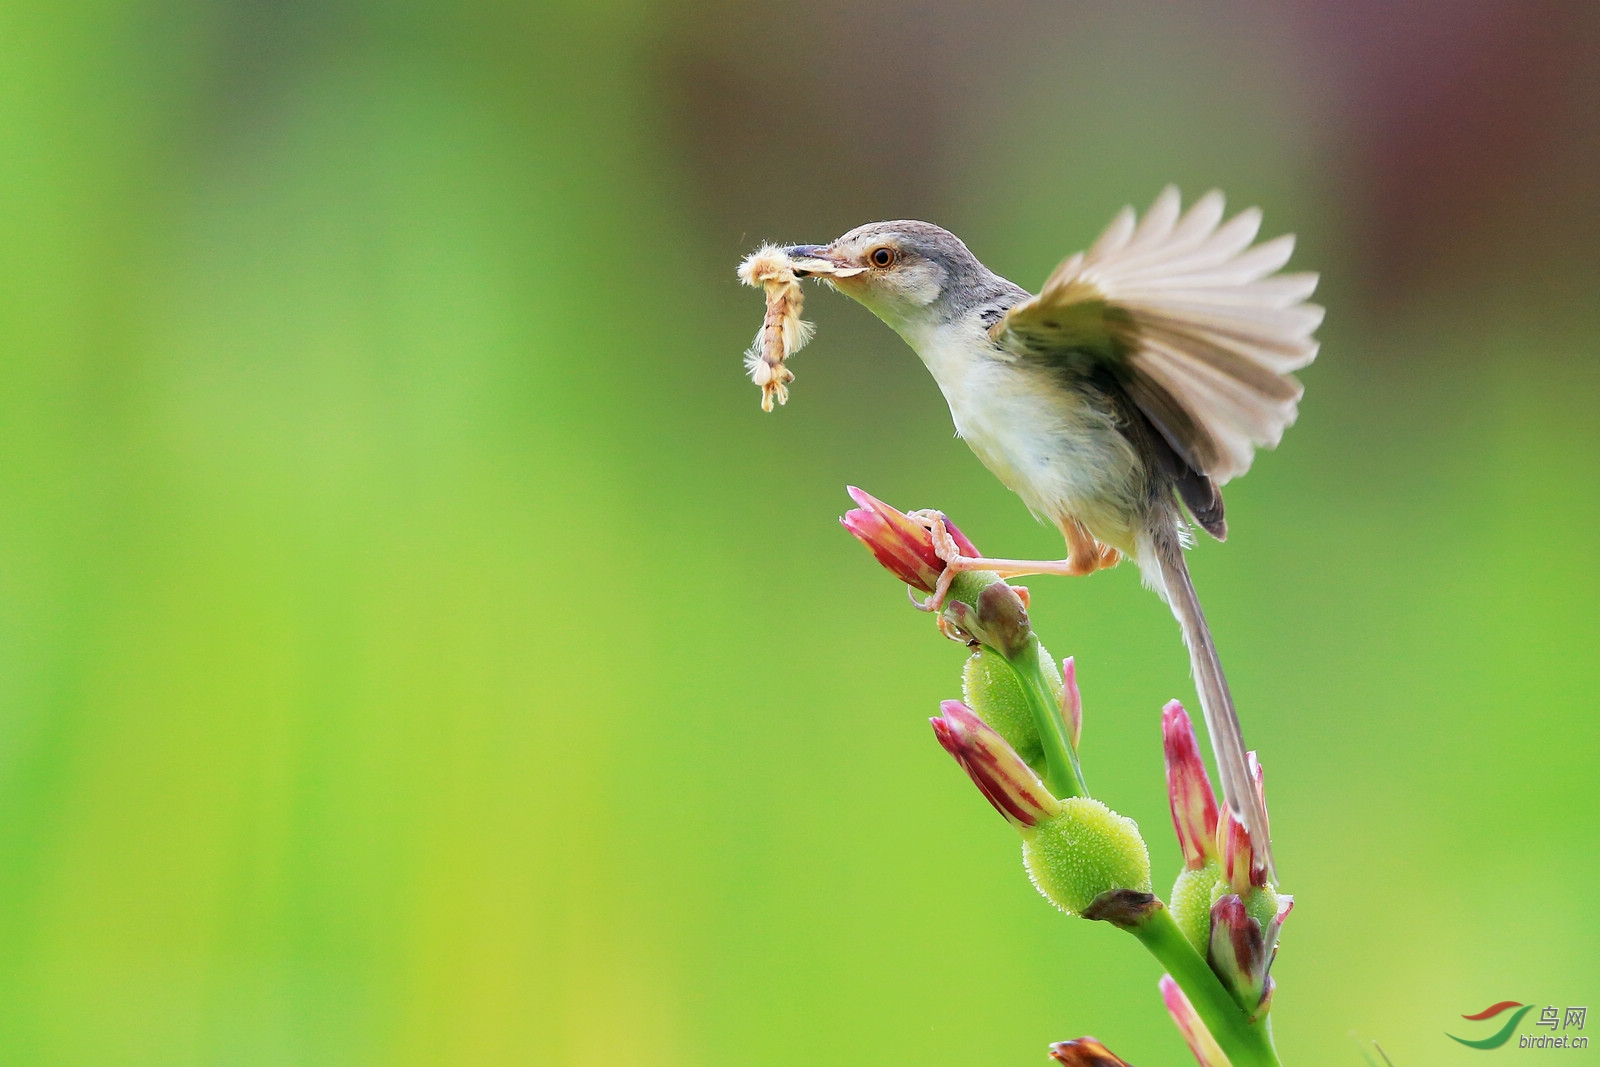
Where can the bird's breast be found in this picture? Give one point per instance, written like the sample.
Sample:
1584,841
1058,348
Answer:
1057,445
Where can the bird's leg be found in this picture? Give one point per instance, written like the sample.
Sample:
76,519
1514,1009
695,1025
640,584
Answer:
1083,549
1086,555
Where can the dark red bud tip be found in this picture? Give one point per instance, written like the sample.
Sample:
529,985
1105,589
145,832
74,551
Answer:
1085,1052
1230,911
1126,909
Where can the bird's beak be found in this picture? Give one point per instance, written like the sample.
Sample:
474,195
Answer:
817,259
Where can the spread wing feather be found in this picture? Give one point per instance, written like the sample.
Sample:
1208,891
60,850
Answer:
1192,317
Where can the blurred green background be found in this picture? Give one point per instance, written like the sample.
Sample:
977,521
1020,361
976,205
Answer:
416,646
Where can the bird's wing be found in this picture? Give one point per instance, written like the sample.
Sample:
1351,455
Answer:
1196,324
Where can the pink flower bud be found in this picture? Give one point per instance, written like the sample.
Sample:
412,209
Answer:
1190,1025
995,768
1071,699
899,542
1194,808
1241,861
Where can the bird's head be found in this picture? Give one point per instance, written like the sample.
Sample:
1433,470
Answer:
903,272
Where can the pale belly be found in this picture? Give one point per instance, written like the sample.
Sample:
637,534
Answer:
1066,458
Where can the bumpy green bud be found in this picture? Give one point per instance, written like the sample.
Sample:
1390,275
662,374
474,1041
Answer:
1085,851
968,586
989,687
1192,896
1261,904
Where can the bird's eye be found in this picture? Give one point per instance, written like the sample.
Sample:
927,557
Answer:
882,257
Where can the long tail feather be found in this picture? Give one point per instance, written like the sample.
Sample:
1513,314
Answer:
1216,703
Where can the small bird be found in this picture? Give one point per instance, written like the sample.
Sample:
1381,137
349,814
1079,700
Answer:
1137,383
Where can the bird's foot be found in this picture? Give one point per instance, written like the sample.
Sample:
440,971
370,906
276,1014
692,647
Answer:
949,552
1086,558
1085,551
955,563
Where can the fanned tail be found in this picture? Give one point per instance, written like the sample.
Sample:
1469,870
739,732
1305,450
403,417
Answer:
1216,703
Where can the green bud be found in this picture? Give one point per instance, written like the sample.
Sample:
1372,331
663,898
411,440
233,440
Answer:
1261,904
990,688
968,586
1192,896
1085,851
1197,891
992,614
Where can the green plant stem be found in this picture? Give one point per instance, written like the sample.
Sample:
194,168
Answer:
1062,773
1247,1044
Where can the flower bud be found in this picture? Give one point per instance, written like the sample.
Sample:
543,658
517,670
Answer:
1243,946
992,613
1237,952
1075,850
1071,700
990,687
1242,864
1192,896
1085,1052
1194,808
1085,851
994,767
1221,901
1191,1026
902,544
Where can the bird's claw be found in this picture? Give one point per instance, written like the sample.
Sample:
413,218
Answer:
943,544
935,602
949,553
945,547
953,632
